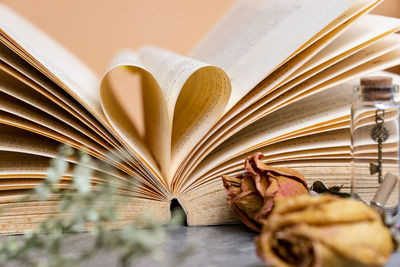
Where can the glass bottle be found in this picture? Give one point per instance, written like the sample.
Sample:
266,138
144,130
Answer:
375,144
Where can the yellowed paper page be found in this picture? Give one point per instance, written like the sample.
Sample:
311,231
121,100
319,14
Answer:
9,118
18,90
348,87
249,56
14,139
25,73
286,72
12,222
55,62
18,108
196,95
18,140
207,205
278,96
362,63
332,144
366,29
52,59
315,110
23,157
121,123
390,59
380,47
320,41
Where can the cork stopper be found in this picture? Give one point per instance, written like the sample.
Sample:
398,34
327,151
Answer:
375,81
377,88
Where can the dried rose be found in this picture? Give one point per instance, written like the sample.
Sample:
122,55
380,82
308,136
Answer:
323,231
252,194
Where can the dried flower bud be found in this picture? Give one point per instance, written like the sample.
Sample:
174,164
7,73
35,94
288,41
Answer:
323,231
252,194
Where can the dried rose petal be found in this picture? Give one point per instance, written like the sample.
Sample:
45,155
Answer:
252,194
323,231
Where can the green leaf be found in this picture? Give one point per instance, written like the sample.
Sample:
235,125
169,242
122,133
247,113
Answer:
320,188
79,206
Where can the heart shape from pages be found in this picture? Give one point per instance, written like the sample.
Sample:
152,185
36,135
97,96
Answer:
182,99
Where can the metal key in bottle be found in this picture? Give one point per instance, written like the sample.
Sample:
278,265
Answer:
375,142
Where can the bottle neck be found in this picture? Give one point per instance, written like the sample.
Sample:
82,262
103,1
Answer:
377,93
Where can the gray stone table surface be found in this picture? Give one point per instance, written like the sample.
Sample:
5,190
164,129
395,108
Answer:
230,245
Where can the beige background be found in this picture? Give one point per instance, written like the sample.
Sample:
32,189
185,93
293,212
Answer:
95,30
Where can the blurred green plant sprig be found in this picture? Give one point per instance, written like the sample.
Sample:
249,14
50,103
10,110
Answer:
83,207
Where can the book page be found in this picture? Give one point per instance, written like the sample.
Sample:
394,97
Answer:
195,93
61,67
18,90
331,173
24,216
22,71
154,109
364,31
380,47
51,59
10,115
248,56
327,144
288,71
390,58
21,157
319,109
16,121
331,168
17,140
207,205
278,76
13,106
270,102
336,77
15,117
362,63
311,167
331,144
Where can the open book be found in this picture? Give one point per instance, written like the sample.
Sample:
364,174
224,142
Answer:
271,76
